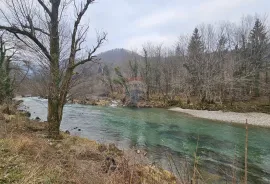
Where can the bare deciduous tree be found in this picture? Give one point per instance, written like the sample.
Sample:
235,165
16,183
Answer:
40,27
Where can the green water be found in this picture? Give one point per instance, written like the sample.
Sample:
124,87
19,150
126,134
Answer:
162,132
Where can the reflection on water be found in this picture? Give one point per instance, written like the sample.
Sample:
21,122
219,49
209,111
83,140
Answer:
162,132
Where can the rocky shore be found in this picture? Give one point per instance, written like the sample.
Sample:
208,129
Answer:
118,103
253,118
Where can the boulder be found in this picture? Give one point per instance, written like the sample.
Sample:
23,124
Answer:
27,114
37,118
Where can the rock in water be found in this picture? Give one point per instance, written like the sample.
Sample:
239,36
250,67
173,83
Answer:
37,118
27,114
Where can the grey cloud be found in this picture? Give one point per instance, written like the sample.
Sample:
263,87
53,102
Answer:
136,22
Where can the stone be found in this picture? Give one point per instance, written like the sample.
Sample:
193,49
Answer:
27,114
37,118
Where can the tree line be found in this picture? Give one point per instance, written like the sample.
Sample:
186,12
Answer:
218,63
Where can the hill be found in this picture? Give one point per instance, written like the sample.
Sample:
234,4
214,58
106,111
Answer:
117,56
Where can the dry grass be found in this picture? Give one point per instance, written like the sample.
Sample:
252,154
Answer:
28,157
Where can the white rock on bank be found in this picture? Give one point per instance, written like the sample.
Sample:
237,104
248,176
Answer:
254,118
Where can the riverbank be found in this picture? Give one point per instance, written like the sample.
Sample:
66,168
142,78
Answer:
253,118
27,156
106,101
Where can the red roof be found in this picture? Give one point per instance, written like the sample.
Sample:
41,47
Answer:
134,79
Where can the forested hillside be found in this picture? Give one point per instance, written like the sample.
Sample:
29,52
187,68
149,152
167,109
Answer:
216,64
221,63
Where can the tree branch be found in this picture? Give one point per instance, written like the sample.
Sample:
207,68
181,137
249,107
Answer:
90,57
15,31
74,42
36,29
45,7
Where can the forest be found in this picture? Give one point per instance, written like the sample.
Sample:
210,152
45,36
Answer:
219,63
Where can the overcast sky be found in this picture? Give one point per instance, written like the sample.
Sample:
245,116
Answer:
131,23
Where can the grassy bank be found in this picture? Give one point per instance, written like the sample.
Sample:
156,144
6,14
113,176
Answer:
28,157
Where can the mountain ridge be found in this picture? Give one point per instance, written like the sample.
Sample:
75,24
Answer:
117,56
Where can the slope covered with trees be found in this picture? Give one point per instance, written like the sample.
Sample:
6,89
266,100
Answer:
218,64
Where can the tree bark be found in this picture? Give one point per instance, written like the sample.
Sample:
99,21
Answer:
257,84
54,107
53,118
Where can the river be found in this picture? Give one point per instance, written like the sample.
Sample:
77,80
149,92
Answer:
165,134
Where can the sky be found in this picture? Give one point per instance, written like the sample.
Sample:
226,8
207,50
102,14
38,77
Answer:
132,23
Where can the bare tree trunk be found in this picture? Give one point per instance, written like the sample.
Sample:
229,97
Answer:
53,117
54,107
147,74
257,83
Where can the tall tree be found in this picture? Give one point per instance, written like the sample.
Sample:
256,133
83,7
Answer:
134,68
107,74
40,27
196,46
195,64
146,73
258,47
6,84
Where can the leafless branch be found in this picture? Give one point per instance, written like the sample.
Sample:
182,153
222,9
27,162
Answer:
91,57
45,7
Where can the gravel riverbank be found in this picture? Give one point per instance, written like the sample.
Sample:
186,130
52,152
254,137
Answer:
254,118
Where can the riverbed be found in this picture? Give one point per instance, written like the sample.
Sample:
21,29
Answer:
165,134
252,118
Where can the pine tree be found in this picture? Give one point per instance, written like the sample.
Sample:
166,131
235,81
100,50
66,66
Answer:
195,51
195,46
258,43
195,64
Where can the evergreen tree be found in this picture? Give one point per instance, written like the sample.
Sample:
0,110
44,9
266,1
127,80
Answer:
195,47
195,51
258,43
195,64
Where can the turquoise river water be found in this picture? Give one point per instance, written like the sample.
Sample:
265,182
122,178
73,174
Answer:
162,132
